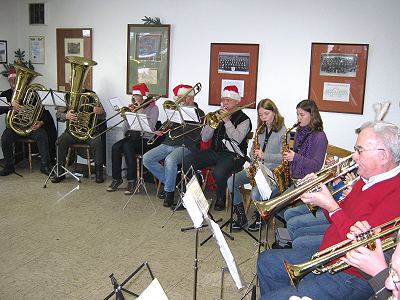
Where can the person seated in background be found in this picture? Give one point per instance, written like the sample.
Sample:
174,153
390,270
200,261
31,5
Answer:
42,129
132,143
269,152
373,198
67,139
234,127
171,150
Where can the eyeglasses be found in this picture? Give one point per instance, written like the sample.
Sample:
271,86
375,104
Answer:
394,276
360,149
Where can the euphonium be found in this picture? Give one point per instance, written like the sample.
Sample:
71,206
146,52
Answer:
282,172
25,94
81,103
252,169
319,261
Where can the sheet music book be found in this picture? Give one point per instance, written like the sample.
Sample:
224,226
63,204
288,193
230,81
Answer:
195,202
138,122
115,103
153,292
233,147
264,180
226,253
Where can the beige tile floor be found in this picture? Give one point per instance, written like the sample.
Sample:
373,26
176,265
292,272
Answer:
62,242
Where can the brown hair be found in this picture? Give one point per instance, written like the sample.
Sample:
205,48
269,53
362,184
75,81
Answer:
310,106
270,105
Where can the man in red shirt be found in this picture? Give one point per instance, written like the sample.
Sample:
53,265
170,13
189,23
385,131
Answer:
374,198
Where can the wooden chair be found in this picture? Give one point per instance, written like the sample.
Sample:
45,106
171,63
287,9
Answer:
74,149
26,142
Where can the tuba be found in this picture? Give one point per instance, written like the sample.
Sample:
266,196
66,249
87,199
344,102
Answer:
252,169
81,103
282,172
31,106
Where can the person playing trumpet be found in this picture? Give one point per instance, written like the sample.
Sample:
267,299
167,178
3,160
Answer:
234,127
131,144
373,198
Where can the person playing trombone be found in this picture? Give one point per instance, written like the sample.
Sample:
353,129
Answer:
233,127
131,144
373,198
171,149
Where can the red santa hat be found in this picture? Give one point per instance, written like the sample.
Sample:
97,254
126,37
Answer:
12,73
140,89
232,92
182,89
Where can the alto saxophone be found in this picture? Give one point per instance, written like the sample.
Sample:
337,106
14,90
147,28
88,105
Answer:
282,172
252,169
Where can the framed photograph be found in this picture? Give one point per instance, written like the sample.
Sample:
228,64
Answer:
36,49
148,57
72,42
233,64
3,52
337,76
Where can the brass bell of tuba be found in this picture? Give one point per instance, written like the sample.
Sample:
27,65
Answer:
81,103
25,95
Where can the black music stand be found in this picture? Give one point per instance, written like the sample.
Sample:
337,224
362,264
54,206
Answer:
55,99
118,289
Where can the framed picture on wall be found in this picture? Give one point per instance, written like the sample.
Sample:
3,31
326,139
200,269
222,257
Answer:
233,64
36,49
72,42
3,52
337,76
148,57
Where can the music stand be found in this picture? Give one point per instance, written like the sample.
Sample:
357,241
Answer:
119,288
7,106
139,122
55,99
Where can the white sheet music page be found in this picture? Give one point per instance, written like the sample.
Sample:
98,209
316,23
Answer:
233,147
138,122
195,202
153,292
226,253
3,102
173,116
115,103
189,114
263,181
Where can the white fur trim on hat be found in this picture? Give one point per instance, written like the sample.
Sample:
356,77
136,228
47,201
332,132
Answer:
230,94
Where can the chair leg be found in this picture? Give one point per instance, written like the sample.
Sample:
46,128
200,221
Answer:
88,162
30,156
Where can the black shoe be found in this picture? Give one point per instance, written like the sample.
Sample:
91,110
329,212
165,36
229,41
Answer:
162,194
169,199
241,217
45,169
114,185
180,207
7,171
255,226
58,179
130,189
99,173
275,245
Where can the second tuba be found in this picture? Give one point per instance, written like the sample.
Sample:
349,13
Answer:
80,102
25,95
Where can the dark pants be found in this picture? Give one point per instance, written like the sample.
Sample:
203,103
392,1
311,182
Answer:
224,164
129,147
9,137
66,139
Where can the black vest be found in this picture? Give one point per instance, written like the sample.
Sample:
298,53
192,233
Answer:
220,133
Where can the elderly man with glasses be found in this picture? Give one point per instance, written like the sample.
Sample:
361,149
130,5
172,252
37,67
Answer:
374,198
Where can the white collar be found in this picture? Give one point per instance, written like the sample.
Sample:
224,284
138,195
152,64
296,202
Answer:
380,177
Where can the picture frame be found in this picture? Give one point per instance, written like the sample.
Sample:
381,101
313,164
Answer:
338,72
3,52
72,42
233,64
37,49
148,51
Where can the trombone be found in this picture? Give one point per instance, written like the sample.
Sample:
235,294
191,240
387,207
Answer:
319,261
173,105
121,112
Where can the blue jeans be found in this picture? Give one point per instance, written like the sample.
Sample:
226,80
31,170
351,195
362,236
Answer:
240,180
172,156
275,283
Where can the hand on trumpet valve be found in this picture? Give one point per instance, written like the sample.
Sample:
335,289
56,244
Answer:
71,115
321,198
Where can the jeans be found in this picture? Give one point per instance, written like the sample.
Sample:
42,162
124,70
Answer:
172,156
240,180
275,283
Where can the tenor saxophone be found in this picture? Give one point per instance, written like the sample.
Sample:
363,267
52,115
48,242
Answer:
252,169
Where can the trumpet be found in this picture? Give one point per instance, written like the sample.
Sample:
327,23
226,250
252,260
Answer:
121,112
173,105
214,118
319,262
325,176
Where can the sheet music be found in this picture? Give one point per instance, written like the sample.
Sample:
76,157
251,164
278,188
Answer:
173,116
3,102
138,122
115,103
233,147
52,98
189,114
263,180
153,292
195,202
226,253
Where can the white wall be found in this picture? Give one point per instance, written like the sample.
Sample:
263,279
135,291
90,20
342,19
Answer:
284,30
